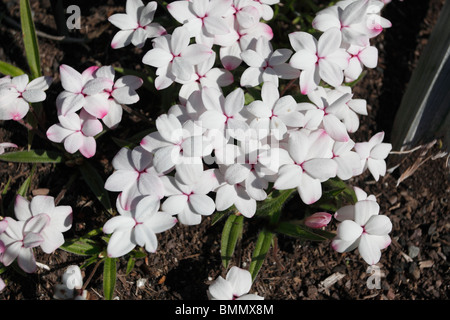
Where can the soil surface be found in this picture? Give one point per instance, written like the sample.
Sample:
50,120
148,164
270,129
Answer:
414,193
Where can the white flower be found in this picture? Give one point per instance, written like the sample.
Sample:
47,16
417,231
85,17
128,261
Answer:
134,177
203,18
205,76
106,105
362,227
174,57
78,86
326,113
39,223
137,227
190,201
360,57
373,154
4,145
274,114
311,164
59,219
348,161
235,286
17,93
72,283
136,24
318,59
77,132
175,145
266,64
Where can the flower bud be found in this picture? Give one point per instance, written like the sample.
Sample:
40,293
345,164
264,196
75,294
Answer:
318,220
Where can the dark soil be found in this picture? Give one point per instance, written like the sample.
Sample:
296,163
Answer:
414,195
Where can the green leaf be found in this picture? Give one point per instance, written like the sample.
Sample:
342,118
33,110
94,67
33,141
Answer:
9,69
274,202
82,247
298,230
130,265
109,277
30,39
23,190
96,184
231,233
262,247
336,194
32,156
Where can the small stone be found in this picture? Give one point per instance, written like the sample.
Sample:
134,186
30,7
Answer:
413,251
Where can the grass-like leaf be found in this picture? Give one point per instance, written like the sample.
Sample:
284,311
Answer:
10,70
30,39
32,156
231,233
262,247
109,277
82,247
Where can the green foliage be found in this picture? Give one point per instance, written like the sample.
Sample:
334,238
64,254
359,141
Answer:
30,39
262,247
33,156
109,277
232,232
8,69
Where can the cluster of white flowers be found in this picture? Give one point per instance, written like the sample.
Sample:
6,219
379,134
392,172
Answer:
38,223
212,150
89,97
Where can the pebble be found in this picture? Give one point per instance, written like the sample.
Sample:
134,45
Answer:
413,251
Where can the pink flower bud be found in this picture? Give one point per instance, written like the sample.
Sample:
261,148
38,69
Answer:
318,220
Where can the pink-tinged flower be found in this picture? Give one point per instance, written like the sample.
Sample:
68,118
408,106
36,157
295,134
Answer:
235,286
78,86
203,18
2,285
175,144
348,161
137,227
274,114
266,64
264,6
360,57
77,132
318,220
228,195
373,154
107,105
348,17
174,57
4,145
190,201
239,40
136,24
310,164
205,76
134,177
326,113
222,113
72,283
59,219
246,13
318,59
349,114
19,238
362,195
17,93
362,227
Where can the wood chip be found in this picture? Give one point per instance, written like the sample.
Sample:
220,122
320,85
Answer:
426,264
328,282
